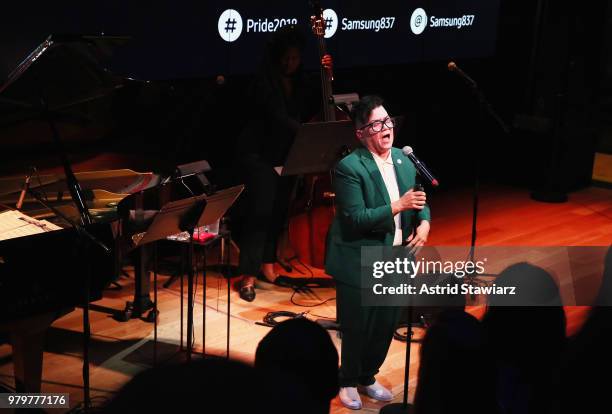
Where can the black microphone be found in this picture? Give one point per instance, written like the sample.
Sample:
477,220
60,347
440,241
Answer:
24,190
421,168
452,66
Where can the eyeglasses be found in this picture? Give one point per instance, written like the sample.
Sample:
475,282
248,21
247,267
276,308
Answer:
378,125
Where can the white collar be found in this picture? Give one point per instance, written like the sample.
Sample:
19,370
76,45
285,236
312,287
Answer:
380,161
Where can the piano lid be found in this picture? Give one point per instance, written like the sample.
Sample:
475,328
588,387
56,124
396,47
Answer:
68,71
71,61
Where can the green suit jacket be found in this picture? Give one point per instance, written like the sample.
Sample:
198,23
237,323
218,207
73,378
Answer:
363,211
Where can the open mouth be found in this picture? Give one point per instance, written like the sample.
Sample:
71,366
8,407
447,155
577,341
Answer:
386,136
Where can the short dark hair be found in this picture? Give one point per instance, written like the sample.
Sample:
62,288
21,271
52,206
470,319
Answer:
361,110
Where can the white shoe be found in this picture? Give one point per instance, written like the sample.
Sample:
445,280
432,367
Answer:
349,397
377,391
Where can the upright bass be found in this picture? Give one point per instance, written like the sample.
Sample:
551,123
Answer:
309,225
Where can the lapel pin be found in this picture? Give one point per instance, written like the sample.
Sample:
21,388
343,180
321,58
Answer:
399,161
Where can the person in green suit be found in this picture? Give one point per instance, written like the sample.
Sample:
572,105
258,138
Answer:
376,205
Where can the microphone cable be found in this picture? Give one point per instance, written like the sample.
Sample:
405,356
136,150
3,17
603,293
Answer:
270,319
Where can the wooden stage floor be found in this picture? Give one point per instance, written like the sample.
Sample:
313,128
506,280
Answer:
507,216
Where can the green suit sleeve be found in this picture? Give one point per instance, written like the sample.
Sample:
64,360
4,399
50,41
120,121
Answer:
424,214
353,211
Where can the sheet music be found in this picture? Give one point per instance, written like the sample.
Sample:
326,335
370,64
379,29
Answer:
15,224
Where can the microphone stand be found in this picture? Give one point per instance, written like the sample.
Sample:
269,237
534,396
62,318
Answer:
77,196
485,108
90,240
404,407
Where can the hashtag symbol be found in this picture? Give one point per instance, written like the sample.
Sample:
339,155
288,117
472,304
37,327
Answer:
230,25
328,23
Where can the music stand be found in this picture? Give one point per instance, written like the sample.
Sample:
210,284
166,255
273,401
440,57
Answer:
318,146
217,205
316,149
186,215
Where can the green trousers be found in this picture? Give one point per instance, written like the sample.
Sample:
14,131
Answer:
367,333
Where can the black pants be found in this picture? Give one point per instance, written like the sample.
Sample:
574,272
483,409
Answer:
367,333
266,203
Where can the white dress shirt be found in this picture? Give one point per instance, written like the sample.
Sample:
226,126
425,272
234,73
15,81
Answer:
387,170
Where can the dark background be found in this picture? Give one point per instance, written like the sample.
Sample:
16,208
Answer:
546,69
179,39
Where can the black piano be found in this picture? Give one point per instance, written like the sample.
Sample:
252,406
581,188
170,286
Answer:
59,96
54,109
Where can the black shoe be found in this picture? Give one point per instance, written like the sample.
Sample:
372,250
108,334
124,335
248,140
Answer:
126,314
152,316
247,293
